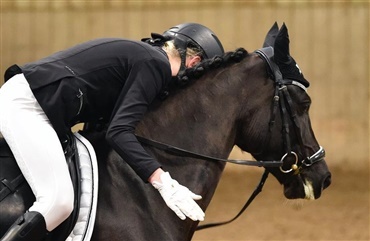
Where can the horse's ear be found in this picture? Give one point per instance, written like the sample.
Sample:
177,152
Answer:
286,63
281,46
271,36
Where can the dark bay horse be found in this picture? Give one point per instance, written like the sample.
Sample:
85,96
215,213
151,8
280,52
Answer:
227,101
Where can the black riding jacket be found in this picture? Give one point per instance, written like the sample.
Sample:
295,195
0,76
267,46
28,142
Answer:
112,80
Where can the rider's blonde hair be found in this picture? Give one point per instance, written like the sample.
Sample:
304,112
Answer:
170,48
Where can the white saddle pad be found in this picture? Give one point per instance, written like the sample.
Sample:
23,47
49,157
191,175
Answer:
89,191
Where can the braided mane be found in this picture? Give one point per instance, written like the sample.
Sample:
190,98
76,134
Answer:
216,62
201,69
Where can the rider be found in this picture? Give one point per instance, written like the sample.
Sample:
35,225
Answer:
112,80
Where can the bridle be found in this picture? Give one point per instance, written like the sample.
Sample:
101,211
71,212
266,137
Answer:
281,99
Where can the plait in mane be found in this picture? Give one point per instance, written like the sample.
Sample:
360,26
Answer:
205,66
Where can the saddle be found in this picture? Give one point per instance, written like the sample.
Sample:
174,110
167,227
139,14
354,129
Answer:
16,196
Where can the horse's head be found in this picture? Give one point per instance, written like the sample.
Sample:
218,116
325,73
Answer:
280,128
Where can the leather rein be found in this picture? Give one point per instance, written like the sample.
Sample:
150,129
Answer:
281,96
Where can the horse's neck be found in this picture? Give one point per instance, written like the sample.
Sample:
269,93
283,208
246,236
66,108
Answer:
200,118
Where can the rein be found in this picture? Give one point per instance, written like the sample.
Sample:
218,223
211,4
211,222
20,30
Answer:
185,153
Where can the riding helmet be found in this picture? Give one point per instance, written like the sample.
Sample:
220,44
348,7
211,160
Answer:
188,35
195,35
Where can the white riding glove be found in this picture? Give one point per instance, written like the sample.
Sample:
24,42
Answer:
179,198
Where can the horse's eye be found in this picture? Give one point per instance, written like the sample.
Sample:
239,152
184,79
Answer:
306,106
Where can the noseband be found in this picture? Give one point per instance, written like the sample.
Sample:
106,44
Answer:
308,161
282,97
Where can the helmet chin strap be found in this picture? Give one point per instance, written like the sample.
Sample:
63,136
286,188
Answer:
182,69
181,46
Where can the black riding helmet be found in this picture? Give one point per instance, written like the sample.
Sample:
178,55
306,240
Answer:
190,35
194,35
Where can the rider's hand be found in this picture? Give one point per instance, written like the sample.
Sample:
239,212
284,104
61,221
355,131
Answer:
179,198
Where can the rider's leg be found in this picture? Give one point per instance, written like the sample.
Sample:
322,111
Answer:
37,151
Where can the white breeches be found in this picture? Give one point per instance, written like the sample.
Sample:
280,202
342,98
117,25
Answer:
37,150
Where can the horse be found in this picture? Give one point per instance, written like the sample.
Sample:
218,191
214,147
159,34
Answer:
241,99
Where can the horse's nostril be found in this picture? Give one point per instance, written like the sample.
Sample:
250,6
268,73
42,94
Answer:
327,181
